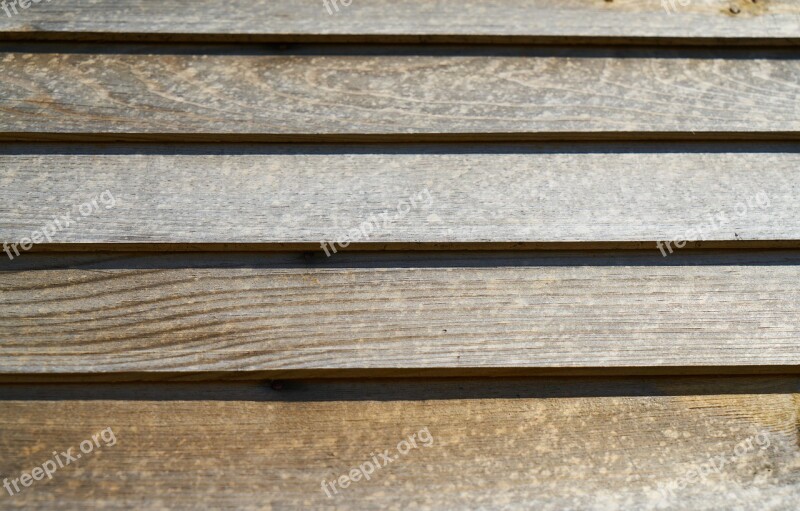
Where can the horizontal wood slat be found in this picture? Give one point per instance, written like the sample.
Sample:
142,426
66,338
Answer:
182,313
515,444
418,195
412,21
272,239
522,94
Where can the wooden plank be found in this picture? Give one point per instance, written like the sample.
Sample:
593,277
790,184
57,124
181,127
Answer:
411,21
417,196
376,94
290,312
515,444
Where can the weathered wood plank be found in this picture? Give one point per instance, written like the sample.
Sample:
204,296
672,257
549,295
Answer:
284,312
410,21
502,444
397,94
417,195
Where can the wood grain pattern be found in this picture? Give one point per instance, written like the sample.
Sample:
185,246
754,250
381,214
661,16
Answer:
284,312
615,141
604,444
412,21
372,94
301,195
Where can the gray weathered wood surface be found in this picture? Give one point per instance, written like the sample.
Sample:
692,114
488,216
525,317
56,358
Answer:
611,140
620,21
302,195
602,444
180,313
360,94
